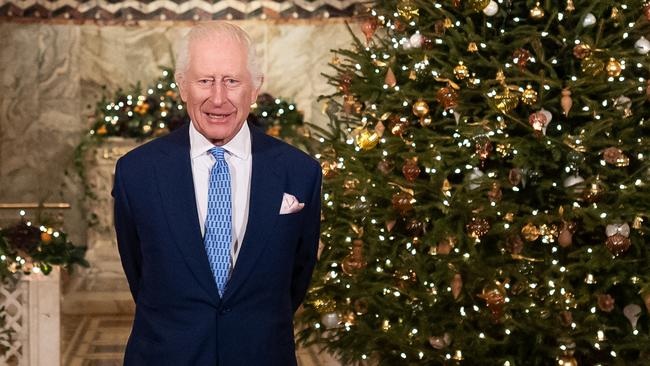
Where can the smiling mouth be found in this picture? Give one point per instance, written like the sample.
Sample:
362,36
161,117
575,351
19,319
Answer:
217,116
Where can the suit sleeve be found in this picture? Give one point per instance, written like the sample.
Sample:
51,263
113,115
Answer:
305,258
128,242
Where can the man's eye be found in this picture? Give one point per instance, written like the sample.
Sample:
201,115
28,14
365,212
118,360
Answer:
205,82
231,81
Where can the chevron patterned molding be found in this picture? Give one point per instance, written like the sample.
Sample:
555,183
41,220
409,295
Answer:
192,10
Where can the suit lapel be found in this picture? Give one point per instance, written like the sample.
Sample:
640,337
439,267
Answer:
174,172
267,187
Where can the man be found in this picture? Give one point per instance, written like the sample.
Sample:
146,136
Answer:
217,223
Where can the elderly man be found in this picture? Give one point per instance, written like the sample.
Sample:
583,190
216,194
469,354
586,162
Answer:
217,224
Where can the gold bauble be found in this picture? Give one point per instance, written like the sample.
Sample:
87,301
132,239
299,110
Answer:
426,121
329,168
420,108
594,191
613,67
407,9
461,71
478,5
567,361
367,140
537,12
447,96
506,101
592,66
530,232
529,96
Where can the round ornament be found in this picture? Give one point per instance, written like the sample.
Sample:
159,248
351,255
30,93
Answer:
411,170
506,101
642,45
367,140
589,20
567,361
529,96
402,202
330,320
354,261
581,51
592,66
478,5
521,57
594,190
539,121
447,96
446,245
385,166
416,40
615,156
397,126
646,11
329,168
440,342
495,194
477,228
420,108
491,9
617,244
606,302
514,244
461,71
613,67
530,232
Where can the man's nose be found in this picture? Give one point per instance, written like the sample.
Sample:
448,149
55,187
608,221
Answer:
218,94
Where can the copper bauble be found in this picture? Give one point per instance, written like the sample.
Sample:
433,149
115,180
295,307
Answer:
420,108
530,232
354,261
461,71
565,239
538,121
494,299
613,67
646,11
612,154
402,202
368,27
446,245
390,78
594,191
397,126
456,285
581,51
329,168
447,96
440,342
606,302
426,121
617,244
344,82
514,176
477,227
521,57
385,166
566,102
514,244
415,227
410,169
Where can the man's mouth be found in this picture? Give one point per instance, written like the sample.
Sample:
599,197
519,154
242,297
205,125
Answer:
217,116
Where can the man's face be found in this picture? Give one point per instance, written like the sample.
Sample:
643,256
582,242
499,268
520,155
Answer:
218,88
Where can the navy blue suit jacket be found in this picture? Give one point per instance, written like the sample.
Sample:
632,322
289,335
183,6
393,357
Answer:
180,318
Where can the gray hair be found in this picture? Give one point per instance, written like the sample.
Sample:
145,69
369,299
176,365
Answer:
209,29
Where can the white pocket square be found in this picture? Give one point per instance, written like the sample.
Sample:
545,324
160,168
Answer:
290,204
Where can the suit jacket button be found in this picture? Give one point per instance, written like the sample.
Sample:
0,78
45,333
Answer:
225,310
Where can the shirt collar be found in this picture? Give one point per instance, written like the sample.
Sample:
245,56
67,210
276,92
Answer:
239,146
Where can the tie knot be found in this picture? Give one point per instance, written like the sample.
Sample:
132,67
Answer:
217,152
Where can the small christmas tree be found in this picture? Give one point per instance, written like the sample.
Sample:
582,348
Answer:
486,187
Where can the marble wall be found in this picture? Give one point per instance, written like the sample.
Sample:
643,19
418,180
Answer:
52,75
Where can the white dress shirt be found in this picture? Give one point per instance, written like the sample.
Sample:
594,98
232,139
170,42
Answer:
239,160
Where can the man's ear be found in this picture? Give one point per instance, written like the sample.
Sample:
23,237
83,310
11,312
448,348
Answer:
180,82
256,89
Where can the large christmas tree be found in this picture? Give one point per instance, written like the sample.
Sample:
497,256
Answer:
486,191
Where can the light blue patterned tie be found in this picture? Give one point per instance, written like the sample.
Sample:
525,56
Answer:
218,224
